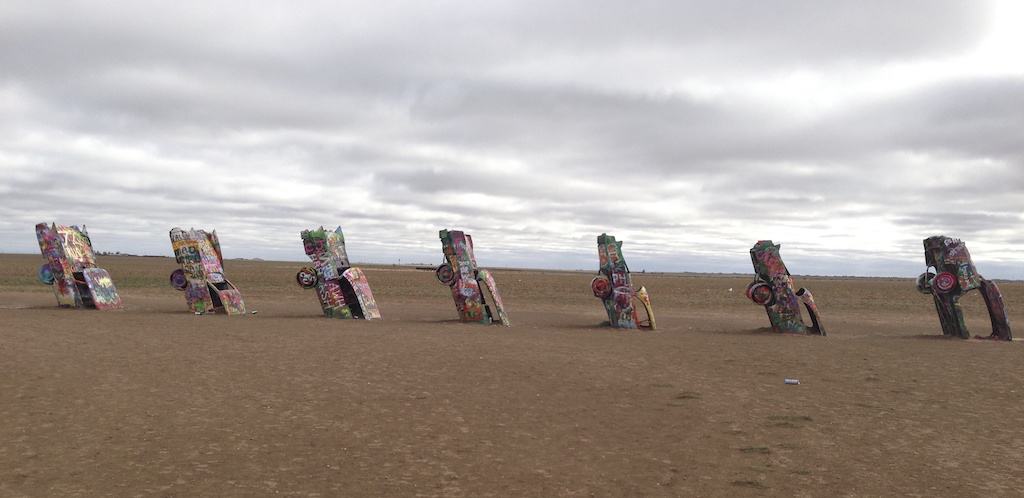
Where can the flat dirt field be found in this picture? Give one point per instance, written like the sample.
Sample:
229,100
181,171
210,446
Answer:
156,401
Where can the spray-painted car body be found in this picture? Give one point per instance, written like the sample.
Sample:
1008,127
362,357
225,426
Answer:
954,276
71,269
614,287
201,276
468,282
773,288
343,290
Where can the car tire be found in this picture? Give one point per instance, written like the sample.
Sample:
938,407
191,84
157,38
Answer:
45,274
761,293
178,279
945,282
601,287
445,274
307,278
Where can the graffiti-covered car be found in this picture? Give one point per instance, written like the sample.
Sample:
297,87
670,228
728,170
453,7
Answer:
468,283
342,289
614,287
201,276
71,269
949,275
773,288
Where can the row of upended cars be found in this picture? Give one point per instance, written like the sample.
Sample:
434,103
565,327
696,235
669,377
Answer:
344,291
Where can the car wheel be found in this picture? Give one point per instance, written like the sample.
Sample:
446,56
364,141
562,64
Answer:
178,280
601,286
45,274
761,293
445,274
945,282
306,278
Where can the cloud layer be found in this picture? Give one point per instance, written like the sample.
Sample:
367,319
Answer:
690,130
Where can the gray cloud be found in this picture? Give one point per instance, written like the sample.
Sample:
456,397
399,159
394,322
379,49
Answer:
534,126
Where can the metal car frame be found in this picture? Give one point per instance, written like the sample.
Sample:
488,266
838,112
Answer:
201,276
954,276
343,290
614,287
468,282
773,288
71,269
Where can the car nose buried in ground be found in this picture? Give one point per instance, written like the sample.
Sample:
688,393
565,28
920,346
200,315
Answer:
773,288
469,283
201,276
343,290
71,269
614,287
950,275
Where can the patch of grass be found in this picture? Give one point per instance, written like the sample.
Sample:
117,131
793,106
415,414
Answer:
789,421
681,398
786,425
791,418
688,395
749,484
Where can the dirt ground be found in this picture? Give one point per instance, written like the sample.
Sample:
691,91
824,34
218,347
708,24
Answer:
156,401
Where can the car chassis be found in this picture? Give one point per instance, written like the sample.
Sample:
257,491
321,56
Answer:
342,289
614,287
954,276
71,269
773,288
201,276
468,282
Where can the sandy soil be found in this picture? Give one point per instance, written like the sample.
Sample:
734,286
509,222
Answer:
156,401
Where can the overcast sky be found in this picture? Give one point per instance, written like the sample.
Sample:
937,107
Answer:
847,131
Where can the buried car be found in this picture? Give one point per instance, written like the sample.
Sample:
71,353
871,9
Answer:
201,276
950,275
71,269
614,287
342,289
773,288
460,272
